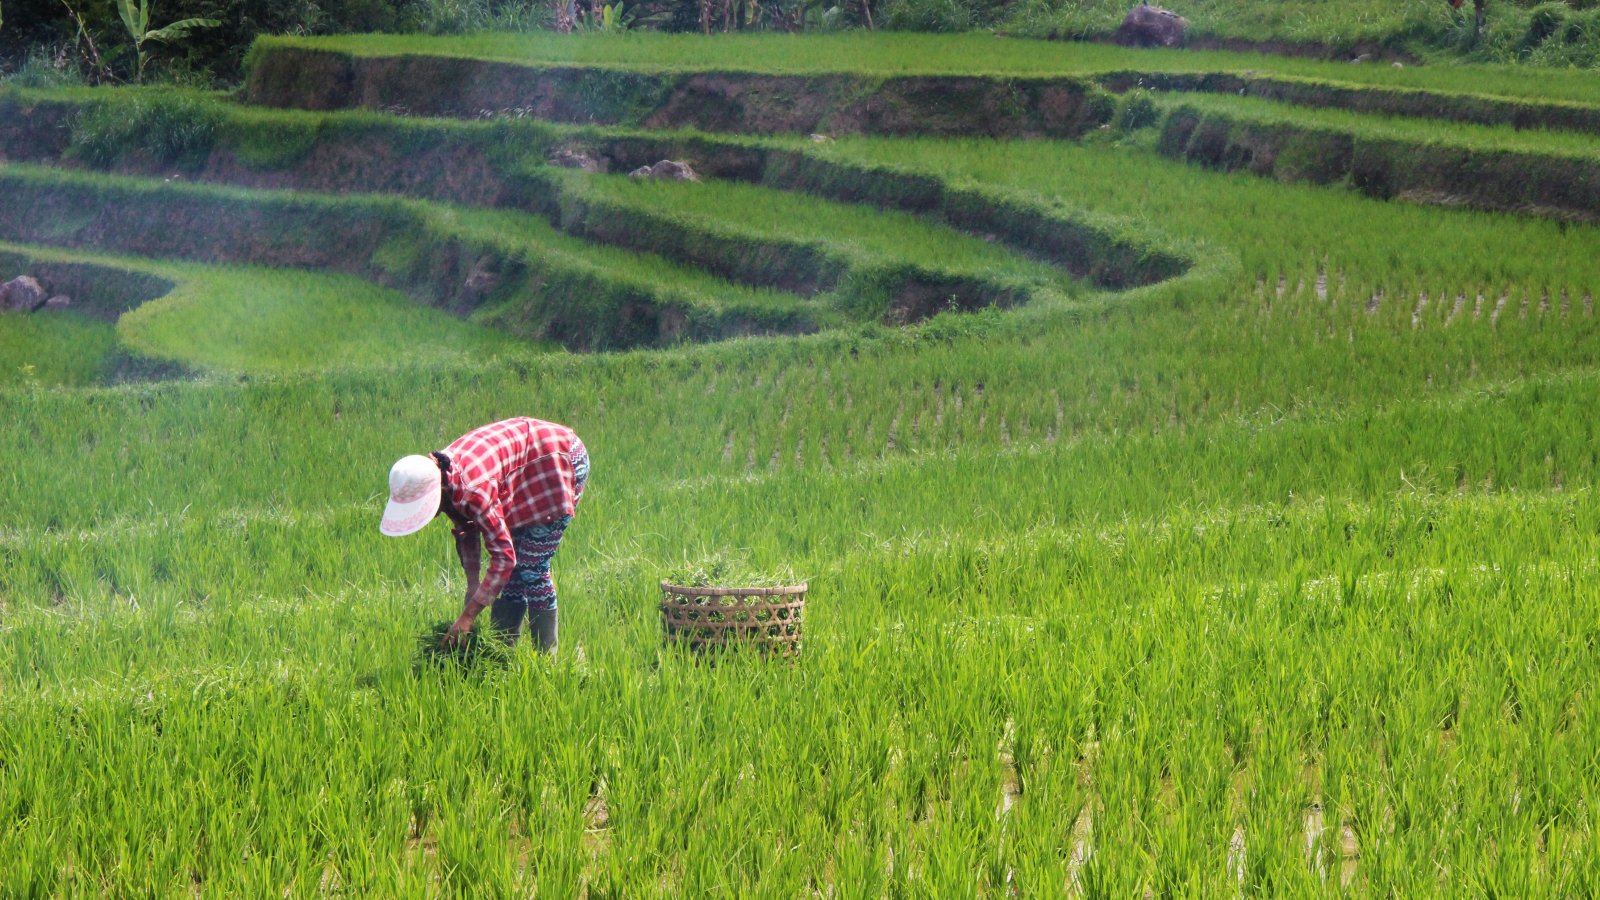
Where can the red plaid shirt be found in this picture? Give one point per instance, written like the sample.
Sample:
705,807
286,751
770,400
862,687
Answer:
503,476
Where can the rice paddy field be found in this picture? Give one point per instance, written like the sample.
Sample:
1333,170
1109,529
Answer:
1169,531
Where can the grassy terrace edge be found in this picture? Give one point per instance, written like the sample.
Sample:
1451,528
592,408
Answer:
1483,94
1386,159
1449,106
1421,160
572,293
499,165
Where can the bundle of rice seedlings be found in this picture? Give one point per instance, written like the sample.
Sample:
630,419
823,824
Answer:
477,648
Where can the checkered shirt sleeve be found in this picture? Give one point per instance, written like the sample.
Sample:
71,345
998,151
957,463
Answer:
510,474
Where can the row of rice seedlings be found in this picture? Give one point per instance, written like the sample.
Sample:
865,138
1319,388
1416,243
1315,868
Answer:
1109,375
1119,707
1265,224
1461,440
859,234
258,320
55,349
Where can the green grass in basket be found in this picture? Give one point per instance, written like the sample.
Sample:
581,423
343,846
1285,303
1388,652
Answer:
723,569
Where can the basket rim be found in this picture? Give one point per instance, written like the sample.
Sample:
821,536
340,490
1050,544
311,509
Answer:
727,591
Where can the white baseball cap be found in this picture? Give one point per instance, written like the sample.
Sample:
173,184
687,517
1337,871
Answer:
413,496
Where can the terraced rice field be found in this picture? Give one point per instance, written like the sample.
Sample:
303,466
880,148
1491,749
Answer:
1171,529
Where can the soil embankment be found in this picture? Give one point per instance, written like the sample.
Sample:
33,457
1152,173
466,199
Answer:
742,102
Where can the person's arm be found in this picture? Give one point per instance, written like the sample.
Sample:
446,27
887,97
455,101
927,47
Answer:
502,559
468,551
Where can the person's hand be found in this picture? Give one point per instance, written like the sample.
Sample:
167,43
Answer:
458,630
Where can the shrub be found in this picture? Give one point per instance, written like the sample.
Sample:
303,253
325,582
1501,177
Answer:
47,67
214,53
462,16
1545,21
932,15
1136,109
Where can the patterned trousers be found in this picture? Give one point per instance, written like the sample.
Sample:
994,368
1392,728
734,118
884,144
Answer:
531,587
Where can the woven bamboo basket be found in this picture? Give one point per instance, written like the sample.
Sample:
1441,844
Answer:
713,618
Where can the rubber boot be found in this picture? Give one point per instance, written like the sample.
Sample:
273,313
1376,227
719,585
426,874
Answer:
505,617
542,623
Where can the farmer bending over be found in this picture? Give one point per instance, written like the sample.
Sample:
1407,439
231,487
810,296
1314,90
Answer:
513,484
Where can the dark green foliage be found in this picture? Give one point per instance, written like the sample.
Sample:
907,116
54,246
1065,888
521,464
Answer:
937,15
1544,21
213,54
1136,109
617,96
466,16
47,67
169,128
1546,34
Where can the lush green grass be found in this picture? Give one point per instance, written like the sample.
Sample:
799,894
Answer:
1151,592
76,347
241,320
922,54
258,320
57,348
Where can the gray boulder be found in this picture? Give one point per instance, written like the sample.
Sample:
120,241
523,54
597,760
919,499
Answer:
22,294
1151,26
575,159
56,303
666,170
